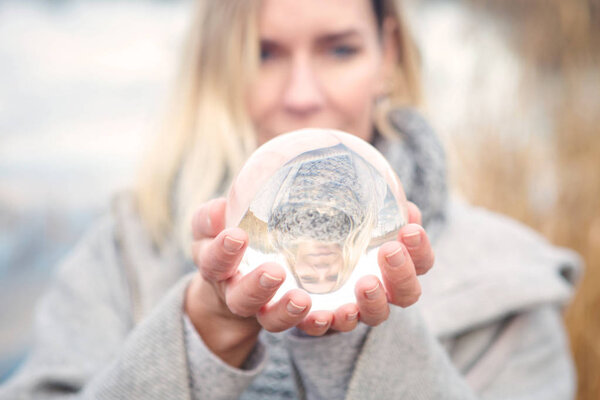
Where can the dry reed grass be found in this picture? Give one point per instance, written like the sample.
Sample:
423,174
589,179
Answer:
550,181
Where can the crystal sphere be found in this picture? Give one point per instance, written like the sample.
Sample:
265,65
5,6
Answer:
320,203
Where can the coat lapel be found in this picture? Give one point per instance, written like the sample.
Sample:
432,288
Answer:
375,375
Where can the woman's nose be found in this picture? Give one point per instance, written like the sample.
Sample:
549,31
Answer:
303,94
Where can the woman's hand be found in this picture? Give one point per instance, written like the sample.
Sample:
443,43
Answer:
229,309
400,262
226,308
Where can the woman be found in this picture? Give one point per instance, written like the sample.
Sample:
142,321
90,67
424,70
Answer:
132,316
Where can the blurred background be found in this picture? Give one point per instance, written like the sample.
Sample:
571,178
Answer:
513,87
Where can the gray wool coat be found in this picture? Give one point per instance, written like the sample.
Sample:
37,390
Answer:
488,325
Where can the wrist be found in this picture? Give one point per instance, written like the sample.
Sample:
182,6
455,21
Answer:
229,336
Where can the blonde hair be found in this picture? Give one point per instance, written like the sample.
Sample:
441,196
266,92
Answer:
207,134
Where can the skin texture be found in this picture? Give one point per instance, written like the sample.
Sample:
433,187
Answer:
237,306
313,74
323,64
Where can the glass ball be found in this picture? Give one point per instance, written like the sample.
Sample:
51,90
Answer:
320,203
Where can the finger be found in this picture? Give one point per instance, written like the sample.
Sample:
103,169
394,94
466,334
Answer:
417,243
371,300
345,318
209,219
218,258
288,312
246,295
398,273
414,214
317,323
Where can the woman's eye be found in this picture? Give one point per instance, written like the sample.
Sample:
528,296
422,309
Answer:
343,51
268,51
265,54
309,279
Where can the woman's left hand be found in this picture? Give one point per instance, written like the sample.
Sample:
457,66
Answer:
400,262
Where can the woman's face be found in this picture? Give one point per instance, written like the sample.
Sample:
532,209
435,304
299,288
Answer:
318,265
322,65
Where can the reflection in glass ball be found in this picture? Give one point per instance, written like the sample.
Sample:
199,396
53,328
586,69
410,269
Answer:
320,203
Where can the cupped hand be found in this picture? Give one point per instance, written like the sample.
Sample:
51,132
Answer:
400,262
229,309
238,306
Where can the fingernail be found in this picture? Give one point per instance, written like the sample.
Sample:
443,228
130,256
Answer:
268,281
412,239
208,223
208,220
320,324
232,245
294,308
372,293
352,317
396,258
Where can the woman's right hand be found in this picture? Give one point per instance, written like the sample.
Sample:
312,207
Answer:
227,309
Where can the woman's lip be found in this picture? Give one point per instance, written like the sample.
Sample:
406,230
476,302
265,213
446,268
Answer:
324,248
320,254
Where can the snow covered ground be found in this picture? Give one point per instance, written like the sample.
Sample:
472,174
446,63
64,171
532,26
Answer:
82,83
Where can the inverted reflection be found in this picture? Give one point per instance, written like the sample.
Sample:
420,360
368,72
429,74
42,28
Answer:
322,214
